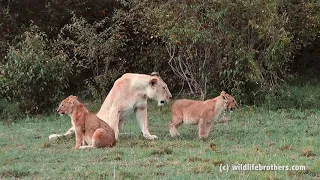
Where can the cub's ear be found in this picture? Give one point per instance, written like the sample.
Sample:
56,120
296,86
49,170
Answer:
153,82
223,94
73,97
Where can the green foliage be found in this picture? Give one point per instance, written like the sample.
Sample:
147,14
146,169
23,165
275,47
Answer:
294,97
9,112
245,41
91,49
199,47
34,74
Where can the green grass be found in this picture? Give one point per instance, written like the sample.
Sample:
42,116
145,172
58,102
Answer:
252,136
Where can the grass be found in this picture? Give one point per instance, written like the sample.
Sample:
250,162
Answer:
252,136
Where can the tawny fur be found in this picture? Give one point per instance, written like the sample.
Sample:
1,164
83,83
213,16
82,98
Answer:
201,113
89,129
130,93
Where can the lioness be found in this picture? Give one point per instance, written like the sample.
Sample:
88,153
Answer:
88,127
130,92
201,113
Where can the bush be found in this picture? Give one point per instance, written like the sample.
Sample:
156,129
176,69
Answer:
220,45
239,46
9,112
91,49
292,97
34,74
199,47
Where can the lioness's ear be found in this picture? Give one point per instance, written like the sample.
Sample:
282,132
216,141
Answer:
155,74
153,82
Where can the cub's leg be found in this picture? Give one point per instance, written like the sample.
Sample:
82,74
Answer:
102,138
141,115
208,128
79,137
69,133
177,120
174,124
202,128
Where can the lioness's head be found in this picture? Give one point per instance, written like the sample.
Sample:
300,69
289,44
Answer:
67,105
158,90
230,102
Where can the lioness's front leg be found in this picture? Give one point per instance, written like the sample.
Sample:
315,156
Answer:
70,132
121,124
113,121
141,115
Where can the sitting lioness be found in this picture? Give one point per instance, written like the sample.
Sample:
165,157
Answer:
88,127
130,92
201,113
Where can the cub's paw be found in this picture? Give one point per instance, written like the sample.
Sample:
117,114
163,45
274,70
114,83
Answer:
174,133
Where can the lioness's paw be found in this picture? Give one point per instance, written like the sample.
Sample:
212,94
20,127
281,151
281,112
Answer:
87,147
54,136
151,137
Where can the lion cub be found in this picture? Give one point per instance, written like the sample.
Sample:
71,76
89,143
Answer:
88,127
201,113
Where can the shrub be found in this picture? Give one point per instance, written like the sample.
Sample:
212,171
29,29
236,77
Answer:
91,49
292,97
239,46
199,47
9,112
34,73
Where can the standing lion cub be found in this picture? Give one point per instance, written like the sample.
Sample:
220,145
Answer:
88,127
201,113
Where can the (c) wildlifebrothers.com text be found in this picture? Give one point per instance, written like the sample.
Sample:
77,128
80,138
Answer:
259,167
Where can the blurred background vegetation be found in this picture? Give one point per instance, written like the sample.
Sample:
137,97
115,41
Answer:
262,52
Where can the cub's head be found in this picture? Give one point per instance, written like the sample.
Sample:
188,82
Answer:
158,89
230,102
67,105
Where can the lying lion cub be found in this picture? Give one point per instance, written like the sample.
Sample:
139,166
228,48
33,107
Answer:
201,113
88,127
